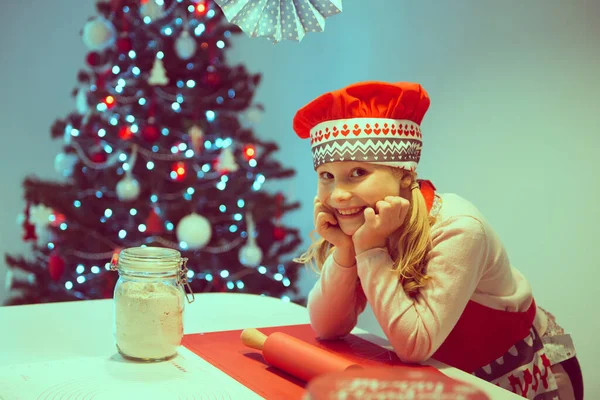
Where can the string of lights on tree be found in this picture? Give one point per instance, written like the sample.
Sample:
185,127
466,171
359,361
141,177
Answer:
160,151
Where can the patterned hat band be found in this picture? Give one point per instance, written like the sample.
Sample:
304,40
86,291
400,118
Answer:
383,141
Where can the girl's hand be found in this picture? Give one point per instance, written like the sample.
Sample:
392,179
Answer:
379,225
327,227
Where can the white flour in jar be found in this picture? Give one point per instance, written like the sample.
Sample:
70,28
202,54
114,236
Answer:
149,319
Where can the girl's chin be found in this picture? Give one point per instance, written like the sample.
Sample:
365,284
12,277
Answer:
350,229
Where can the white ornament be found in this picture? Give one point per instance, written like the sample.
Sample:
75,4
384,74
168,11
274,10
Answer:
128,189
158,74
226,162
251,117
152,10
64,164
196,136
185,46
39,217
81,102
250,254
194,230
99,34
254,115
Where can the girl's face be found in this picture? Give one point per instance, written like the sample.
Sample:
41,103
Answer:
347,188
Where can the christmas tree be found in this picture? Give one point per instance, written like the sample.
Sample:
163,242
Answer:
159,152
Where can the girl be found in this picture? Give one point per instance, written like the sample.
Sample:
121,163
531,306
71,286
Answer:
432,269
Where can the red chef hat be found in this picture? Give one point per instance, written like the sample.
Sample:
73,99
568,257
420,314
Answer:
375,122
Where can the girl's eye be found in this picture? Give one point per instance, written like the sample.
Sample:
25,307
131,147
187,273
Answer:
358,172
325,175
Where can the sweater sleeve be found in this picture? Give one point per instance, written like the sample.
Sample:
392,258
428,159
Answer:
335,301
417,326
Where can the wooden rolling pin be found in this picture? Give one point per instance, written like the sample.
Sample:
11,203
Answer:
297,358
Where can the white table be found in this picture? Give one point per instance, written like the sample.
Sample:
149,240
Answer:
58,331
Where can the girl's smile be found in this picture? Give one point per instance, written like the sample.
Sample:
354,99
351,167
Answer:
347,188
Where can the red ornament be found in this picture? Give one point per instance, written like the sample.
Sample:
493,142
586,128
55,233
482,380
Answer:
56,267
150,133
178,171
125,132
278,233
154,225
124,44
99,157
93,59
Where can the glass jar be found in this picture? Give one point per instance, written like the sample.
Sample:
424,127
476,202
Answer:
149,300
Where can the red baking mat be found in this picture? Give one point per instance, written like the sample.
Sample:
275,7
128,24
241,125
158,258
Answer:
226,351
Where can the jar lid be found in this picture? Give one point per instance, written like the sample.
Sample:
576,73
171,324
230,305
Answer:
149,259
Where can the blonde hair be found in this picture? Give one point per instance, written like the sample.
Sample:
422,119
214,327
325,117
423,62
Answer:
408,246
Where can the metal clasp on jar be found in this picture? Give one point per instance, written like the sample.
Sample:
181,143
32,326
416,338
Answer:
182,279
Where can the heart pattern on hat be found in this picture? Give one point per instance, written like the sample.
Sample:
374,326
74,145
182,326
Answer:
345,130
394,129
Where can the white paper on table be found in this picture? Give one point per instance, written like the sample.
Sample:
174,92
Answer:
113,378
